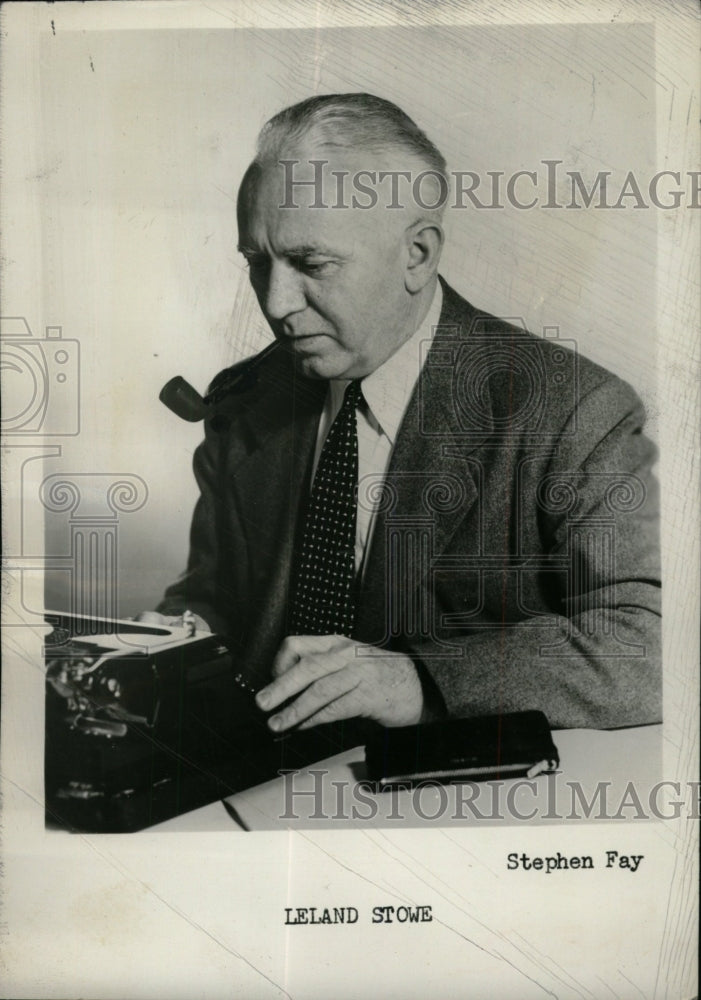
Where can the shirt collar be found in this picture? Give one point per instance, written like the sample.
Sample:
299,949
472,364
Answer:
388,389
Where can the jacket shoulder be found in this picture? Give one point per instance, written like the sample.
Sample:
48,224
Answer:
228,376
522,371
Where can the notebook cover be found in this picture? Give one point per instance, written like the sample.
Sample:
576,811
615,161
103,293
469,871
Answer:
473,749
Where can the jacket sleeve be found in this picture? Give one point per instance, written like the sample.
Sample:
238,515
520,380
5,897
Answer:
596,661
199,588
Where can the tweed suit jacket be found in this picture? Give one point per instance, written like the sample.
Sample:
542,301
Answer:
515,548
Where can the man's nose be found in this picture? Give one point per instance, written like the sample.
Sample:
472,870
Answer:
284,294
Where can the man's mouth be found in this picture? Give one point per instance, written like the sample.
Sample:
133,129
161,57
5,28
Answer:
304,339
304,335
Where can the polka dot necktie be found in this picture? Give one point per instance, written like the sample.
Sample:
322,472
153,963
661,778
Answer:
324,598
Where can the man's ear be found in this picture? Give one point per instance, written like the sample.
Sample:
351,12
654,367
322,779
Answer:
424,241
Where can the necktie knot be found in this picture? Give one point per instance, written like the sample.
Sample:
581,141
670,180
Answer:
353,394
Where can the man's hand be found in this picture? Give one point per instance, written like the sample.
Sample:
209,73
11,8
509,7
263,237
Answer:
178,621
329,681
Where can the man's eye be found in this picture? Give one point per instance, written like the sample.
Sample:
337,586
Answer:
258,267
315,267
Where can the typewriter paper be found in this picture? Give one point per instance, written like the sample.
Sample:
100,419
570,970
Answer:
126,130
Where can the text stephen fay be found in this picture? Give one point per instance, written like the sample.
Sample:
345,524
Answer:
559,862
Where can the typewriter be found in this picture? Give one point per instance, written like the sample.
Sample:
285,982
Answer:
146,722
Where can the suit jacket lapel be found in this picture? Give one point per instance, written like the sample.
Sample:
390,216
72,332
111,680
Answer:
431,484
278,435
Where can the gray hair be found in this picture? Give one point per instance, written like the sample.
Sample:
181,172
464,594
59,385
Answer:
356,120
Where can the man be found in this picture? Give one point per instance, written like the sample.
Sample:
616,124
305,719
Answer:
499,552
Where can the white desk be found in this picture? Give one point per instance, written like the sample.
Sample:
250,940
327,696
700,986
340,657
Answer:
618,758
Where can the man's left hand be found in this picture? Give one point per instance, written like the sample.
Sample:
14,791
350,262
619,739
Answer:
329,681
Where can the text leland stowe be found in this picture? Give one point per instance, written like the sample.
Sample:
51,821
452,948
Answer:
349,915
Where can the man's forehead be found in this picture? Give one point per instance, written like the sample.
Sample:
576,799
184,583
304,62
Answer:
317,176
302,229
318,216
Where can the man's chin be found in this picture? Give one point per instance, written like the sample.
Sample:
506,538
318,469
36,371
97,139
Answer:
322,358
323,368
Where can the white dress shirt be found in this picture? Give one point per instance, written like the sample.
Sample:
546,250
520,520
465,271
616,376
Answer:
386,395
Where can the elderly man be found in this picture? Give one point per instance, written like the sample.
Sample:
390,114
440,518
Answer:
414,510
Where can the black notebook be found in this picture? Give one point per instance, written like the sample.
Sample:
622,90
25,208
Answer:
490,746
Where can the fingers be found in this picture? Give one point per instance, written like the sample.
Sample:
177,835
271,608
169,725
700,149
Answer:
330,690
322,679
308,668
200,625
176,621
348,706
295,646
154,618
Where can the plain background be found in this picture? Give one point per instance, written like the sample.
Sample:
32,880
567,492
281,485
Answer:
144,136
